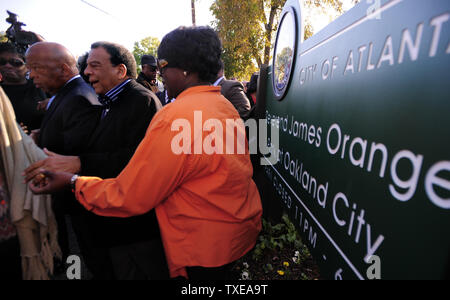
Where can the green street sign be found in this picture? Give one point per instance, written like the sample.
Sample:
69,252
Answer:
363,112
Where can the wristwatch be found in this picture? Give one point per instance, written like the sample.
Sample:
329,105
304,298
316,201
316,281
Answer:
73,181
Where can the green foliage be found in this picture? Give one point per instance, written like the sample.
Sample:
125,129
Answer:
148,45
324,7
274,238
324,4
3,37
268,268
309,31
247,30
238,25
278,254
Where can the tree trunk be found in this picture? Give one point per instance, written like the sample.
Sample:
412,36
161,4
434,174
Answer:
269,30
193,12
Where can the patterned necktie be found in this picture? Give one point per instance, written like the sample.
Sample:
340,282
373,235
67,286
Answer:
105,101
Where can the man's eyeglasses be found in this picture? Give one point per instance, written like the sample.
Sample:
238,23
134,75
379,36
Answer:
13,62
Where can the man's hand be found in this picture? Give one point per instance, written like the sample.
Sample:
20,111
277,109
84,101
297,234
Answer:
54,163
35,135
24,128
52,183
42,105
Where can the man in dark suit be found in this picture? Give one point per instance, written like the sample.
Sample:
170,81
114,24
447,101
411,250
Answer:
234,92
115,248
71,116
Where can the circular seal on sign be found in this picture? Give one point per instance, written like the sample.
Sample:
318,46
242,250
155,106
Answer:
284,53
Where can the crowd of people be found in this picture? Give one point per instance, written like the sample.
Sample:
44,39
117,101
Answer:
101,136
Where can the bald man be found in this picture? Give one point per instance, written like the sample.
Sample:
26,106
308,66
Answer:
71,114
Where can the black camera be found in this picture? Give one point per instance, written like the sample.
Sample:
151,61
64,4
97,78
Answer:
20,38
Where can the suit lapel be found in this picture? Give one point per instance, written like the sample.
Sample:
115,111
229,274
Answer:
106,120
57,102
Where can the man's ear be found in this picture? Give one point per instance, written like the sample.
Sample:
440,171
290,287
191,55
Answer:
66,69
122,71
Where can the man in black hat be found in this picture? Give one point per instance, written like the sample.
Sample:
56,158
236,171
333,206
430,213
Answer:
148,75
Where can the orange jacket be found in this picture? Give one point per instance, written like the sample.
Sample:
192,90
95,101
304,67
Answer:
208,206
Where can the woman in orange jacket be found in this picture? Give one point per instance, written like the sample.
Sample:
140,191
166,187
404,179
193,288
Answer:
207,204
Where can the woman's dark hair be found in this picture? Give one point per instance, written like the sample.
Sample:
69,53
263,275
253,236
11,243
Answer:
193,49
82,65
119,55
252,86
7,47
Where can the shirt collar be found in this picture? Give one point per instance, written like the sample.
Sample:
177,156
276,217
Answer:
50,102
54,96
218,81
72,79
114,93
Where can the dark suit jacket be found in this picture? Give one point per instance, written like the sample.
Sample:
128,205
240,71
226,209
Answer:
110,148
67,125
70,119
234,92
117,136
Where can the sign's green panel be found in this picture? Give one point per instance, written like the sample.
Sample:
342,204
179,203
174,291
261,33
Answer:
363,111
